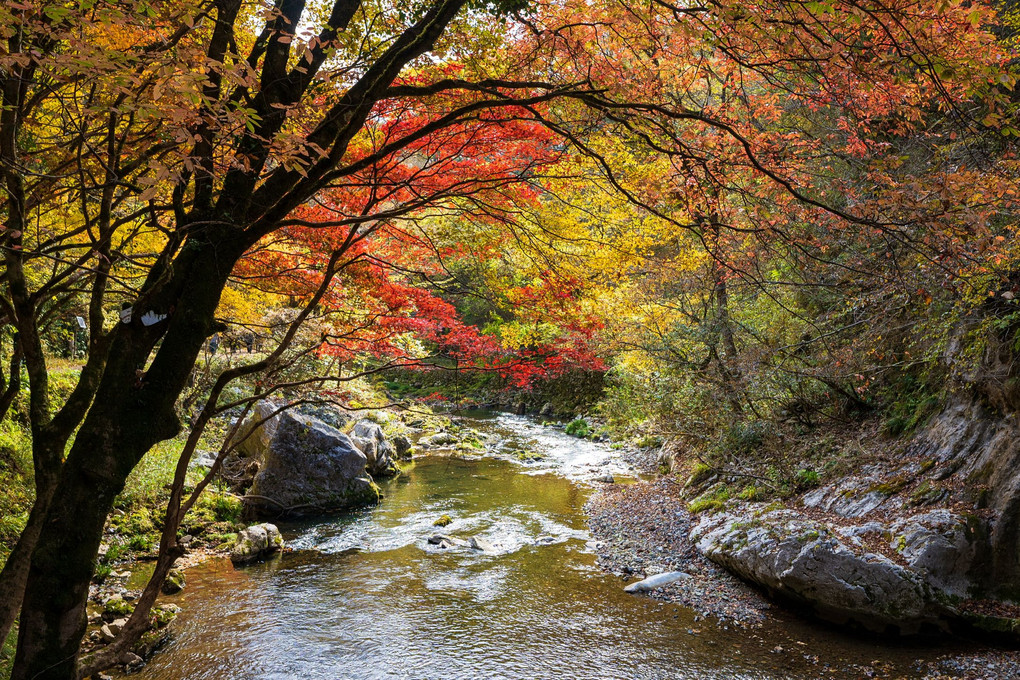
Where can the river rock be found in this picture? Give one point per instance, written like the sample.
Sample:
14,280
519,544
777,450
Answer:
256,433
476,543
174,582
256,542
132,660
111,630
802,560
444,541
334,416
656,581
439,439
303,466
944,547
369,438
403,447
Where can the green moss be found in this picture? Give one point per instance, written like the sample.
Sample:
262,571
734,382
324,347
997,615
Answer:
528,456
442,521
926,493
713,499
222,541
889,487
117,608
700,473
752,493
164,614
174,582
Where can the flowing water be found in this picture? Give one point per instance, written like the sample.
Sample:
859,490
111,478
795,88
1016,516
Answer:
364,596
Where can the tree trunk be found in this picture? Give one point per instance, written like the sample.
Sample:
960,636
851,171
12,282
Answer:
131,412
15,572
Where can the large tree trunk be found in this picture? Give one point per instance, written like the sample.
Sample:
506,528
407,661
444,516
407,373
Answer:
131,413
14,576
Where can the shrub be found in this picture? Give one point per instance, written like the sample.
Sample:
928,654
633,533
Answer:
806,479
578,427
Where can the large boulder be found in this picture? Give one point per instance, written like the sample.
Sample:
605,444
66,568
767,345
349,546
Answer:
334,416
254,435
369,438
256,542
304,466
832,572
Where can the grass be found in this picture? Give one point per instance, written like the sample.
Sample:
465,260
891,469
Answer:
16,485
7,652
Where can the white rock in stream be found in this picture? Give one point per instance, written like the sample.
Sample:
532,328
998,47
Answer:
653,582
481,544
444,541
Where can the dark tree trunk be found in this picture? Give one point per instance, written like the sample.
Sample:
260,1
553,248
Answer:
130,414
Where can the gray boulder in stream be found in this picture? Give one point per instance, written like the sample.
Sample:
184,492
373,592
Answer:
830,570
304,467
256,542
369,438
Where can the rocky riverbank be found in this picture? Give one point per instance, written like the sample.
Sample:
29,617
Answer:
644,528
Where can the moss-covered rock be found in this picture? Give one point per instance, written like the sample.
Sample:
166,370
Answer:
117,608
256,542
174,582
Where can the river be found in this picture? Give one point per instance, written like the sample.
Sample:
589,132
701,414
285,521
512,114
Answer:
364,596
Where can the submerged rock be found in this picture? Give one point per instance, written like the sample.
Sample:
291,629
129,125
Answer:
656,581
476,543
439,439
303,466
256,542
444,541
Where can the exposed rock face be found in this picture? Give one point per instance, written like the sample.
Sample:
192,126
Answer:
831,572
256,542
304,466
369,438
971,443
908,538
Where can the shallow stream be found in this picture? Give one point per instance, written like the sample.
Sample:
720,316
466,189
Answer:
364,596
